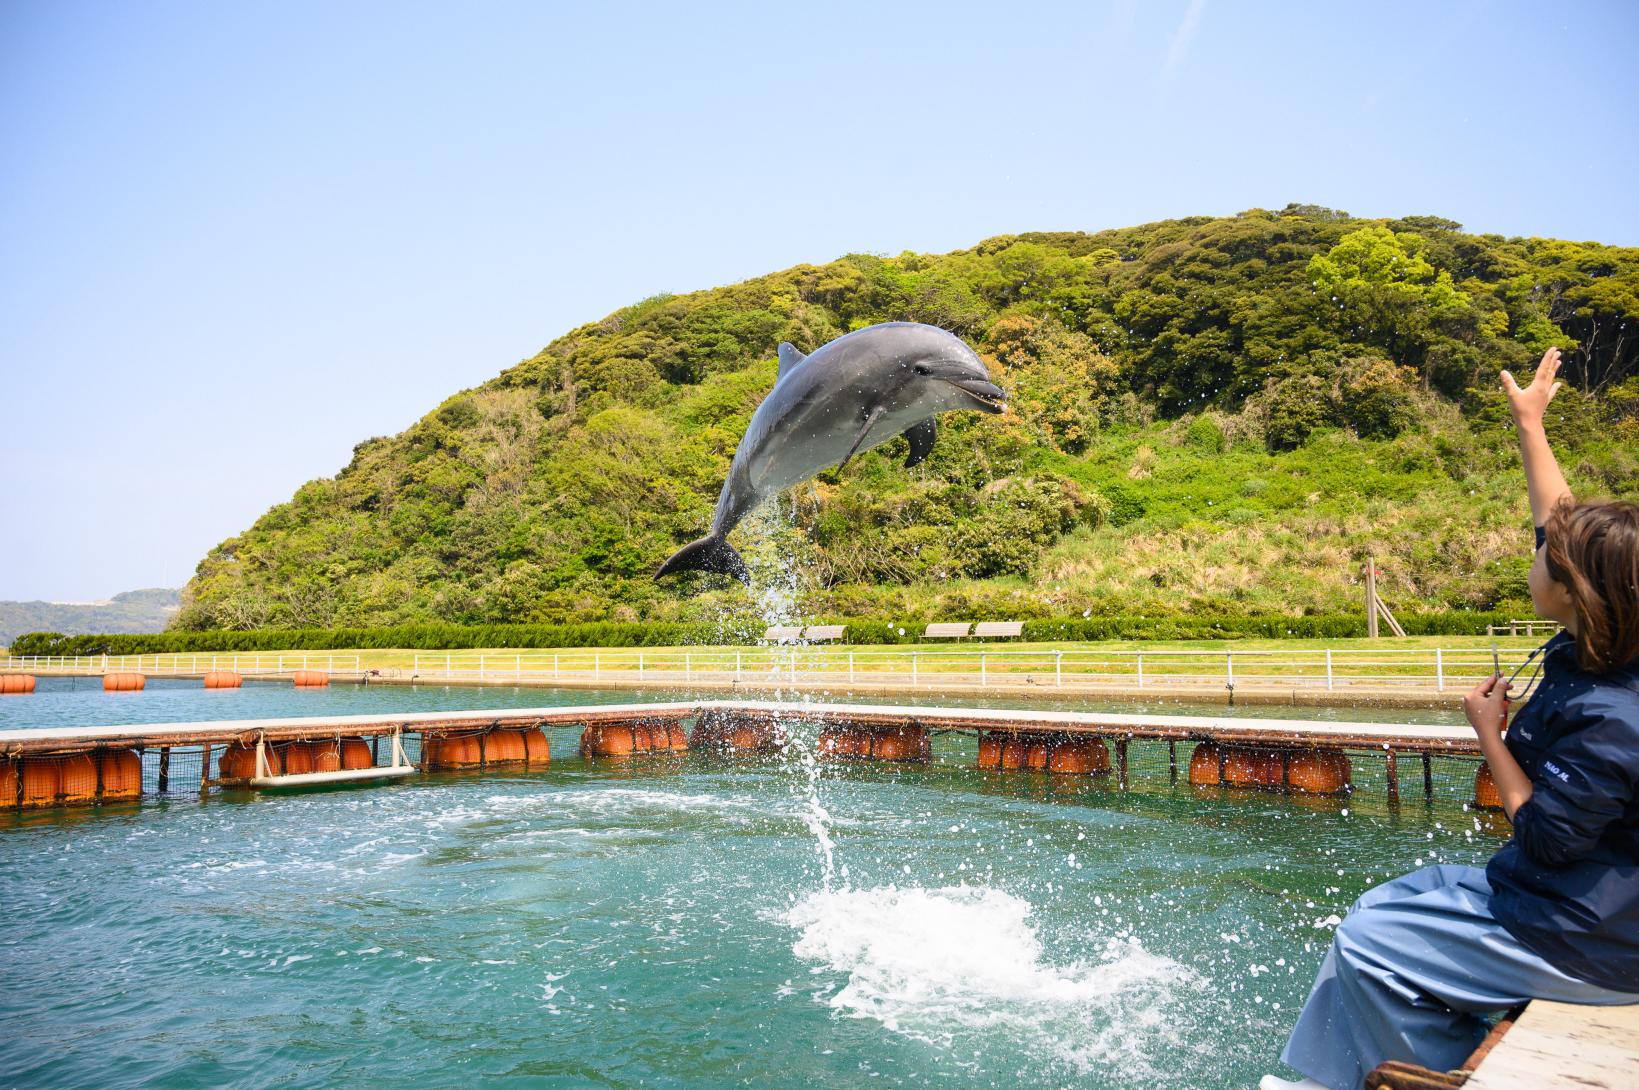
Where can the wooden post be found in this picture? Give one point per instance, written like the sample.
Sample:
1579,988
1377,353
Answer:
1428,776
1371,598
1172,759
205,771
164,769
1121,759
1391,767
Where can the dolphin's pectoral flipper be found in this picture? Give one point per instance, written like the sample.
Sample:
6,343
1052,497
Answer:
870,422
711,554
921,438
789,357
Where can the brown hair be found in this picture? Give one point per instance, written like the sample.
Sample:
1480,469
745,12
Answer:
1593,549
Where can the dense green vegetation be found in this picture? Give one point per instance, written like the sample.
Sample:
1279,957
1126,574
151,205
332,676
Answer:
1212,418
746,629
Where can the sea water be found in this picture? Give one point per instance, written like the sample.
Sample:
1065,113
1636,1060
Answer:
699,920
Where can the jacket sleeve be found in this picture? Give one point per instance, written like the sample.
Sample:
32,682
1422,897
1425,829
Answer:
1584,782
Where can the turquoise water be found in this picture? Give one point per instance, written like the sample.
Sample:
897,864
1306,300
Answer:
697,921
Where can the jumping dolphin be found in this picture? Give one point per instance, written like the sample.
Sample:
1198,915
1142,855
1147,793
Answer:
849,395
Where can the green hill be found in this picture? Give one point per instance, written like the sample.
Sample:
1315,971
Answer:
132,611
1219,415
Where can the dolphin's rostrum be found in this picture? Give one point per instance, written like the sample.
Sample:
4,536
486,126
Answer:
851,394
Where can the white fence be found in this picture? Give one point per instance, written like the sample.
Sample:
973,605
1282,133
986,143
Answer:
1328,669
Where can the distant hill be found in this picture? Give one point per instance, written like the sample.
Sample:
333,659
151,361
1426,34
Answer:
134,611
1210,415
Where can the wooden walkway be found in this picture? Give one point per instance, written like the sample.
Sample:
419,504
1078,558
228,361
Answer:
1564,1046
1389,737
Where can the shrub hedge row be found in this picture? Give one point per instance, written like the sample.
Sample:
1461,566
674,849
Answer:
661,634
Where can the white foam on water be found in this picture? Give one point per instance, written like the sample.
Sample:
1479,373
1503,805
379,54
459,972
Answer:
965,963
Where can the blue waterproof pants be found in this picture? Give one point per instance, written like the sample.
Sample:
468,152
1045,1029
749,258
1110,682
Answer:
1410,971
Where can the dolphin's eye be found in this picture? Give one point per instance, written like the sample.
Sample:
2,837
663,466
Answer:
920,369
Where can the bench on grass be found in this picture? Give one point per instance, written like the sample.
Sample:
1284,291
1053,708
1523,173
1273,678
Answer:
783,634
946,631
998,630
823,633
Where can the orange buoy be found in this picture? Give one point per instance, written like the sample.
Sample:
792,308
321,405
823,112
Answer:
1247,767
310,679
123,683
899,744
1035,754
1486,795
751,736
607,740
78,774
238,761
503,747
1318,771
451,751
538,750
832,742
15,685
1205,765
990,751
121,771
8,783
326,756
355,753
298,758
1015,753
1079,757
42,780
223,679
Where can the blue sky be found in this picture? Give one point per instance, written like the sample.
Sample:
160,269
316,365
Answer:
236,239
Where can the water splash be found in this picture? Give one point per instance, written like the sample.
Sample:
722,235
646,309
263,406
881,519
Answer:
963,965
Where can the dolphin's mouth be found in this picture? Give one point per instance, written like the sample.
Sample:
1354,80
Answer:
987,396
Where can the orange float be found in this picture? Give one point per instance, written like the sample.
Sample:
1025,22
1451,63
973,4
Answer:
1206,765
990,751
78,779
326,756
16,684
123,683
42,780
310,679
223,679
503,747
1079,757
1015,753
121,772
238,761
1486,795
443,752
538,750
355,753
899,744
298,757
1318,771
607,740
8,783
834,742
1035,754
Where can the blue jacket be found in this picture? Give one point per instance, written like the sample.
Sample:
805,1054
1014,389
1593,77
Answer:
1567,884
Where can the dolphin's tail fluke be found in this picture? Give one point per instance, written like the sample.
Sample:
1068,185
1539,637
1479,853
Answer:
711,554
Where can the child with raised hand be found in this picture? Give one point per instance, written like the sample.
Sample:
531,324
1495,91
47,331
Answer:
1555,914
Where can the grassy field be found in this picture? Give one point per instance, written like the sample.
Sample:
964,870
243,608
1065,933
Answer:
1249,661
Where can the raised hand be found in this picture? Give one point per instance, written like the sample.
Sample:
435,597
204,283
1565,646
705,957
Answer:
1529,404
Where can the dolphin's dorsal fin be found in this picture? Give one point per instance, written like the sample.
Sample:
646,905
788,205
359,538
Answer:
921,437
789,357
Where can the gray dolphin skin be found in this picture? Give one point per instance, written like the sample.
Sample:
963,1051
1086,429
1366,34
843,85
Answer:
849,395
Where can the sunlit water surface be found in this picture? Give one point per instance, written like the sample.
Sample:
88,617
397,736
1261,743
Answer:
696,921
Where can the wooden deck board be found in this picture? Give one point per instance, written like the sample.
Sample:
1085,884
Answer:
1565,1046
1251,730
